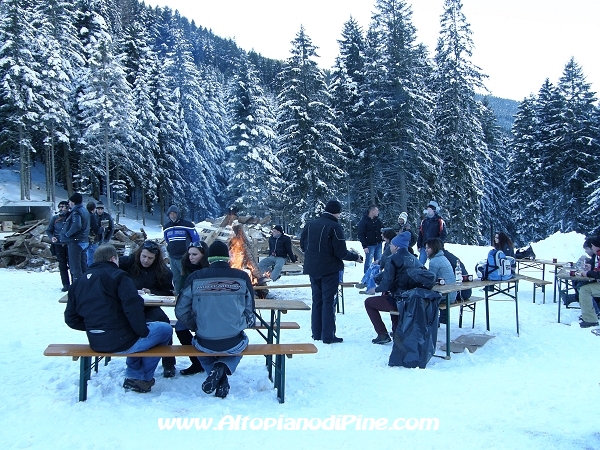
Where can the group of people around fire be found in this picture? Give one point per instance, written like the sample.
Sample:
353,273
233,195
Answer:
215,302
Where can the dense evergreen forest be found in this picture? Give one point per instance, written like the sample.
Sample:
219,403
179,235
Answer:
140,104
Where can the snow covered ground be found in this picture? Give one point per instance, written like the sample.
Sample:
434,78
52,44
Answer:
538,390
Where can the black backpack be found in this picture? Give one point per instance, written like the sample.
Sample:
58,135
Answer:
420,277
525,252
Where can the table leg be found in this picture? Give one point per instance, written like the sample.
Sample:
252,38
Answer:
487,308
517,304
448,322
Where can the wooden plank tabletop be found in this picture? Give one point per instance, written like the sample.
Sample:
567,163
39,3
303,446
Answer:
274,304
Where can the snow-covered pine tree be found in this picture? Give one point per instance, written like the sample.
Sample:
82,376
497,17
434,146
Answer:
527,179
20,85
309,141
458,125
255,172
549,132
139,63
399,111
105,106
495,201
346,80
60,55
581,157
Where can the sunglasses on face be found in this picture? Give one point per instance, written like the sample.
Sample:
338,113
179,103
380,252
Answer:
62,206
197,245
151,247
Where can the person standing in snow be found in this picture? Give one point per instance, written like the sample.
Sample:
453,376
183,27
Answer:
59,249
432,226
324,248
369,235
178,234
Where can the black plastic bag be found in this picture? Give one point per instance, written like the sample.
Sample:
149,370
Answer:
525,252
416,334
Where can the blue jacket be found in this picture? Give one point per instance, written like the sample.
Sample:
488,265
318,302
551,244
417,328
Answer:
178,234
442,268
56,225
77,225
431,227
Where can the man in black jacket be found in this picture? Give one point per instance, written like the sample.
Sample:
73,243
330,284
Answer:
324,248
369,235
280,248
394,282
105,304
60,250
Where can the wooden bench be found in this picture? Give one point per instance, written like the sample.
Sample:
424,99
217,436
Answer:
469,303
83,351
537,283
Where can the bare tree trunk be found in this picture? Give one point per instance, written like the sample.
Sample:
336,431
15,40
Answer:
67,168
107,169
143,207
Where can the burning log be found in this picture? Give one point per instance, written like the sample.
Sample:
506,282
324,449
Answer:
242,257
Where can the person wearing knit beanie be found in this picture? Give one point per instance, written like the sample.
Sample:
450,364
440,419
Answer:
218,251
401,240
333,207
76,198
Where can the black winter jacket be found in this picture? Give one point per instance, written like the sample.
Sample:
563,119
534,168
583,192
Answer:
394,276
324,246
281,247
369,231
147,277
105,304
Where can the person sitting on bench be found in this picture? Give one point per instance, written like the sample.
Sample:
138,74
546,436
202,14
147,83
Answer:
105,304
280,248
218,304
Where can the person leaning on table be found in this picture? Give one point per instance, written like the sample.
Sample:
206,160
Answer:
106,305
590,290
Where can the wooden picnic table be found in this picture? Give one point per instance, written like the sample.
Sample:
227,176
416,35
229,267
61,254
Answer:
540,265
340,295
491,289
276,307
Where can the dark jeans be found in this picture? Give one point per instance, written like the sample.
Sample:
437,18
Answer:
62,256
381,303
324,294
155,314
77,259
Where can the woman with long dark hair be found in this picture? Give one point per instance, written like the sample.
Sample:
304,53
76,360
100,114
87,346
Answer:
504,243
150,274
195,258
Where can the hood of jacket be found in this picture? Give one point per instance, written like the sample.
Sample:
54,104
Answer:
174,209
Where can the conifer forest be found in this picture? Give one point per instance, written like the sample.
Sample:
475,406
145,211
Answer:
141,105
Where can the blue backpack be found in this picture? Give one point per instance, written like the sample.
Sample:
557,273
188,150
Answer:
498,266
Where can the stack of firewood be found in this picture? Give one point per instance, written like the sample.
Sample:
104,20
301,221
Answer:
30,248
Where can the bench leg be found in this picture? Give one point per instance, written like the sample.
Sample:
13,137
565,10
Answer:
279,382
474,305
85,373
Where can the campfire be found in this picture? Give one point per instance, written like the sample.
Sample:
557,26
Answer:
242,258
